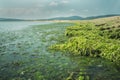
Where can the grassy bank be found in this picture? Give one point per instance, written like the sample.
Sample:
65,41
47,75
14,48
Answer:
97,39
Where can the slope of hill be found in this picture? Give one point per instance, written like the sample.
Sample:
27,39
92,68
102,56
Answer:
101,16
67,18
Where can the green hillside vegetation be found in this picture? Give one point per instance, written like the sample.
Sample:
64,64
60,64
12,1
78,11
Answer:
94,39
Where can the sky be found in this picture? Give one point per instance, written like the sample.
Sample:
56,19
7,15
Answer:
39,9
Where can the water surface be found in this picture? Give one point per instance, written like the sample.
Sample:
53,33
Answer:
24,54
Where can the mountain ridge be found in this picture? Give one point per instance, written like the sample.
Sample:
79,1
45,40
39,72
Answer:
62,18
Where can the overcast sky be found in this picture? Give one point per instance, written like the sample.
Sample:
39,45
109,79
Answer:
55,8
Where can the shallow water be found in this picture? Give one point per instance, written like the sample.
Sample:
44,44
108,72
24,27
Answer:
16,25
24,54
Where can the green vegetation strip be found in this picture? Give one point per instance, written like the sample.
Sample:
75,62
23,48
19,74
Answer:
90,39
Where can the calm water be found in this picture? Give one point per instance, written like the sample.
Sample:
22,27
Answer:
24,54
10,26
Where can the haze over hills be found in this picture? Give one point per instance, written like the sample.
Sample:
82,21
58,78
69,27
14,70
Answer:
62,18
81,18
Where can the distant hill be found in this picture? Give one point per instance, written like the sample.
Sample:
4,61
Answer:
67,18
81,18
62,18
10,19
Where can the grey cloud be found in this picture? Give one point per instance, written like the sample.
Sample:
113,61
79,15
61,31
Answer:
52,8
